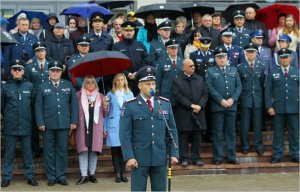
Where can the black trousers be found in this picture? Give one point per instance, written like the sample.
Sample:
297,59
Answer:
194,137
117,159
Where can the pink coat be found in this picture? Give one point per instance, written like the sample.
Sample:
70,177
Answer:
97,128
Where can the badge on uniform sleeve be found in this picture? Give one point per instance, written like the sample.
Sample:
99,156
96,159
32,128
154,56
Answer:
122,111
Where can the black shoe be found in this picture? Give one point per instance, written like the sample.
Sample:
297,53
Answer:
184,163
5,183
217,162
118,180
124,178
63,182
82,180
93,179
199,163
295,159
276,160
245,152
51,182
259,152
32,182
233,162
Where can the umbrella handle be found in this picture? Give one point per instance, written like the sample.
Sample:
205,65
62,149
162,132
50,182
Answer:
103,86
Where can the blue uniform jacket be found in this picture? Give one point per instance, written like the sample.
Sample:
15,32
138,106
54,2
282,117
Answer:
235,55
143,133
21,50
56,110
165,74
265,58
17,102
252,84
34,74
222,86
104,42
282,93
111,121
202,62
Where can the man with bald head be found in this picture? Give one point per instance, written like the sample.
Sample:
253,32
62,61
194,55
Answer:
254,25
191,95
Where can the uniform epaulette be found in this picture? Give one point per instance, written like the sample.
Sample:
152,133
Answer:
239,64
29,62
163,98
130,100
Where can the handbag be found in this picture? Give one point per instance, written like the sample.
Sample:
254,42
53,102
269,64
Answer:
72,140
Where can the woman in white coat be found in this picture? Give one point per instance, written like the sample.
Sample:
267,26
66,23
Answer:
118,95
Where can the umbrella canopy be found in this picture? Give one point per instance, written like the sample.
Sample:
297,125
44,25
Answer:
30,14
100,63
3,21
227,13
269,15
203,8
87,10
112,4
7,39
160,10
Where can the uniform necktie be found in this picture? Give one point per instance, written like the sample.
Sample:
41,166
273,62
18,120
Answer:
223,70
24,38
149,105
285,73
251,67
56,87
174,64
240,30
42,67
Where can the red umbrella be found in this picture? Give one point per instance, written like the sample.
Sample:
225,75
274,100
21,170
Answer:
269,15
99,64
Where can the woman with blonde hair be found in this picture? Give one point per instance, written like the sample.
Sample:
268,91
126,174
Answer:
93,107
291,29
118,95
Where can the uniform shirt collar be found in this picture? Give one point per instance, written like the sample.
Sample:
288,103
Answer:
282,68
151,99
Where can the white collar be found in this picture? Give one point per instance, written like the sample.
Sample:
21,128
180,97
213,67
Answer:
151,99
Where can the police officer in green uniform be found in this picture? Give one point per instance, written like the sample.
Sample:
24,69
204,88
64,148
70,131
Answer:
241,35
282,102
168,69
17,102
252,75
224,87
37,73
157,48
56,111
143,134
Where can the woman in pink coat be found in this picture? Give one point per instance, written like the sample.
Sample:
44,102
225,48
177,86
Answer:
93,107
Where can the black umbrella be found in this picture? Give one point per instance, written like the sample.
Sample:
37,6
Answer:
160,10
112,4
7,39
203,8
227,13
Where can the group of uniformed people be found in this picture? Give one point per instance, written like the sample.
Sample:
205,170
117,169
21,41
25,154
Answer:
240,71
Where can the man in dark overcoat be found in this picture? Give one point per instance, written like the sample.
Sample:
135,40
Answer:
191,95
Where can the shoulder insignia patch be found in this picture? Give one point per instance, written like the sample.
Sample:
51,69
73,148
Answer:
130,100
163,98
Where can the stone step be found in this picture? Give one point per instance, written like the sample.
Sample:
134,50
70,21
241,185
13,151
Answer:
242,168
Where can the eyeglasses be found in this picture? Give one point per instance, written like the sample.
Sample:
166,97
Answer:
191,66
17,69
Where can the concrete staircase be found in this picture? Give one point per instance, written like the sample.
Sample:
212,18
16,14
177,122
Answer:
249,164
